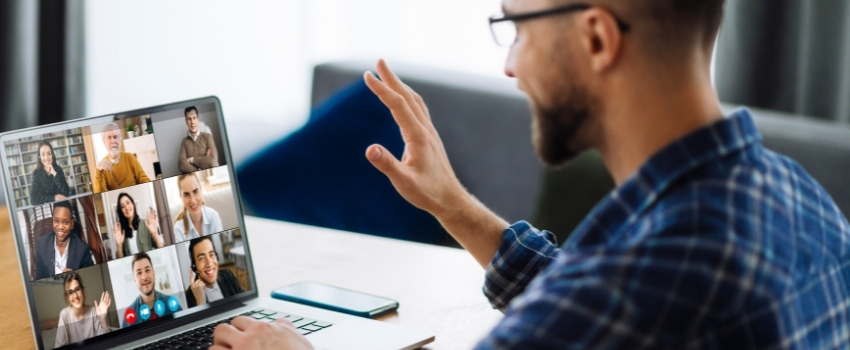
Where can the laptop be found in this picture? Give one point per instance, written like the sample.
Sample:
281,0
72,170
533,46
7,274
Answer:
130,234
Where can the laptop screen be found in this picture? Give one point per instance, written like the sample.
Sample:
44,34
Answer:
125,221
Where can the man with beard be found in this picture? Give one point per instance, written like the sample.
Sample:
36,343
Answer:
197,150
118,169
61,250
709,240
208,282
151,304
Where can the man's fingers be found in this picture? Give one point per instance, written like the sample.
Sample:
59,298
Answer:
399,107
284,322
242,323
395,83
382,159
225,335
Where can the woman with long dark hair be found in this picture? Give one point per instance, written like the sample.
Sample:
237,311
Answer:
147,236
80,321
48,178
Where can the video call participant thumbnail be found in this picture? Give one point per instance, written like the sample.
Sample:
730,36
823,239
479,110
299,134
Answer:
197,150
150,304
62,250
79,321
48,178
196,219
208,282
132,234
117,169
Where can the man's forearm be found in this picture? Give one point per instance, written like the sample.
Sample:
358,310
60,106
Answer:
475,227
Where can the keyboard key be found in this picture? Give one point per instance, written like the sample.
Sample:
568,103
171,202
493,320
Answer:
322,324
311,327
304,331
302,322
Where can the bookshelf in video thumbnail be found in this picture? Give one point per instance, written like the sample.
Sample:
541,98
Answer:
70,154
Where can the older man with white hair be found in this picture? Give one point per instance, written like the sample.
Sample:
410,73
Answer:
118,169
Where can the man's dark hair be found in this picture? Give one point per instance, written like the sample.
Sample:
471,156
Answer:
195,242
190,108
140,256
667,26
64,204
690,17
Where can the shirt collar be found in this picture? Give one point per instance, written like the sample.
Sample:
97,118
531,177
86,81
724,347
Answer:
214,287
56,248
204,220
625,203
194,138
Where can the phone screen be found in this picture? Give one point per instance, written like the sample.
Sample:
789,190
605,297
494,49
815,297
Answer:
323,295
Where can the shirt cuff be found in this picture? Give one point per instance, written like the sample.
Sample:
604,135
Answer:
524,252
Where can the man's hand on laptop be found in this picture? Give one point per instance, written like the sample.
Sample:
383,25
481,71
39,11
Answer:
248,333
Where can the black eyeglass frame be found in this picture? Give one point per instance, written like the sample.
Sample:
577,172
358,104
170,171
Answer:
624,27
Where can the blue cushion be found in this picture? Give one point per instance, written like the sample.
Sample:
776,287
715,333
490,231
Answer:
319,175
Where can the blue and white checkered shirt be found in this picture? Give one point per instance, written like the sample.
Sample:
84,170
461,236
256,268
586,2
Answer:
715,243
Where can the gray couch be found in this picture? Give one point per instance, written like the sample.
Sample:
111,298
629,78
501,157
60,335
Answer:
485,126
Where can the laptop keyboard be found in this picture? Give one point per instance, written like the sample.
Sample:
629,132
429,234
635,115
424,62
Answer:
201,337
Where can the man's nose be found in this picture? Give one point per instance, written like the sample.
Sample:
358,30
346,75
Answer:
510,62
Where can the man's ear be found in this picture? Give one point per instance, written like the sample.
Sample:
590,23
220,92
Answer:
601,38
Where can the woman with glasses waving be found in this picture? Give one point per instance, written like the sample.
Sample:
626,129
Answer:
79,321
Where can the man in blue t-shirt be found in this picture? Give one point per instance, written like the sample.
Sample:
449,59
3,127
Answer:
150,304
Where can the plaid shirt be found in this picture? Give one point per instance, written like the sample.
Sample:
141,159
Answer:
714,243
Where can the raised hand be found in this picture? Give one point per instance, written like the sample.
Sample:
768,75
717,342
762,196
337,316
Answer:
49,170
152,223
103,307
198,288
118,233
104,165
424,176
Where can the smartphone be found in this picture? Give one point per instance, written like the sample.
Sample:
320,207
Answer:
337,299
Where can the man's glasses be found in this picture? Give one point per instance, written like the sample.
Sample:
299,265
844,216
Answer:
75,290
504,28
